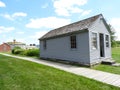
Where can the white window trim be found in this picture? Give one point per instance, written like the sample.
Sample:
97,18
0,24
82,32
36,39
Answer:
94,48
107,41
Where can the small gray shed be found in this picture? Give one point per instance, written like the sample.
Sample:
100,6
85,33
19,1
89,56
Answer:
86,42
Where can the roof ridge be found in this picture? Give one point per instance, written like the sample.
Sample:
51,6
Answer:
75,26
77,22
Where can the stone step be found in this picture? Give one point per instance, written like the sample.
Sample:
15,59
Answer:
116,64
108,62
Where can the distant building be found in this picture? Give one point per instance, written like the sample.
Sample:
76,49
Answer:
16,44
5,47
31,46
8,46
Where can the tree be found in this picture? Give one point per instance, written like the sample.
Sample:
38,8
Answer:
112,35
15,48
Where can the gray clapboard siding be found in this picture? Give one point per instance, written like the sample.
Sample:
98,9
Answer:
99,27
58,42
59,48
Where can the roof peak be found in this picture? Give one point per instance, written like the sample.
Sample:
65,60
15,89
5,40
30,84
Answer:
76,26
78,21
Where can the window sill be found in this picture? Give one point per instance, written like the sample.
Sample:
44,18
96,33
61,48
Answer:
73,49
94,48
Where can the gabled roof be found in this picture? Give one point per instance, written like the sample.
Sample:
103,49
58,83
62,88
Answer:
5,44
15,43
74,27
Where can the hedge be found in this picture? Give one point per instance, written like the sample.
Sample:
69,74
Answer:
28,52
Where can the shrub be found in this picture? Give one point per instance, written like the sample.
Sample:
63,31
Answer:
32,52
18,51
29,52
12,51
15,48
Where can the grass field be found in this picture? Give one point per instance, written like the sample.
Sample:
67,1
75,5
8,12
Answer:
17,74
116,54
108,68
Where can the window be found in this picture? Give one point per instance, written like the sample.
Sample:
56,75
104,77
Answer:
107,40
94,40
73,41
44,44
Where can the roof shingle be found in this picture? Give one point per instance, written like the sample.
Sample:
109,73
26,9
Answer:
77,26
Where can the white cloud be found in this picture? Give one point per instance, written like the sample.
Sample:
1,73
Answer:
6,29
49,22
10,39
4,36
115,22
65,8
14,15
38,35
86,12
20,32
76,10
2,4
19,14
34,38
7,16
45,5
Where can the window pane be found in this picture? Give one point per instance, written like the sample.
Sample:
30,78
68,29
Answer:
73,41
94,40
107,40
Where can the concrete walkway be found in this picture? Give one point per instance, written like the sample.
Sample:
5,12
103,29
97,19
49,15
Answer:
109,78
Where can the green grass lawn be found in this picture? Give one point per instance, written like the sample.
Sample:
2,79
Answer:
17,74
116,54
108,68
36,57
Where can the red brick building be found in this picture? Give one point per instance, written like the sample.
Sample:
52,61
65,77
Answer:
5,47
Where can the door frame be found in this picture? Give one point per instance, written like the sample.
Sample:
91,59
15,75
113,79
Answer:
101,45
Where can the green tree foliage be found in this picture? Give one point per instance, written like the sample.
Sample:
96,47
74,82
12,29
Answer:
32,52
15,48
112,35
118,43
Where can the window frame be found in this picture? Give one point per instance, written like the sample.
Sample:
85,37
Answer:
73,42
107,42
44,44
94,41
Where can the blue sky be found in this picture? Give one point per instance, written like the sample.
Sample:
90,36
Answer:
28,20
